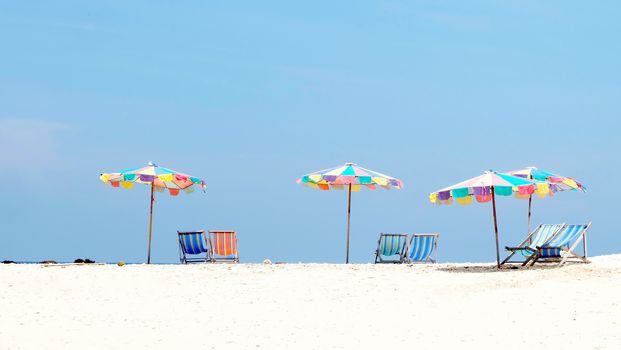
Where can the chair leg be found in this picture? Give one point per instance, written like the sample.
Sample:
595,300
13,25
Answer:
377,249
534,257
507,259
570,252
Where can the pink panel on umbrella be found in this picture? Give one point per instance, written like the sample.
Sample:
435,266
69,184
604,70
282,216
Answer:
526,190
173,191
483,199
344,180
114,177
182,183
360,172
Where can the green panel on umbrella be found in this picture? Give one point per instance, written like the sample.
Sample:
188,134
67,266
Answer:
349,171
459,192
365,180
503,190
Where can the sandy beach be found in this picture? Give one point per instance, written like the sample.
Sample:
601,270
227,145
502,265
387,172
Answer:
311,306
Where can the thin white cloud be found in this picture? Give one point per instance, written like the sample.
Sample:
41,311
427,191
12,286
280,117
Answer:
29,143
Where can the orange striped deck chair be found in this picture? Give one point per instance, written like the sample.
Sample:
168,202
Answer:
224,245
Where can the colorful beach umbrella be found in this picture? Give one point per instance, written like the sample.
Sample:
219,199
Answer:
557,183
160,179
485,188
352,177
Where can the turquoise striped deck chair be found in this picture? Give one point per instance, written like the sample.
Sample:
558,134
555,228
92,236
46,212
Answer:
391,248
194,247
421,248
562,246
540,235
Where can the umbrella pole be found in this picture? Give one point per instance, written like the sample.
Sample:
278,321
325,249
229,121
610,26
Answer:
150,226
348,221
530,199
495,227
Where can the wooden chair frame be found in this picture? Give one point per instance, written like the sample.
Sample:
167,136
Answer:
567,251
524,245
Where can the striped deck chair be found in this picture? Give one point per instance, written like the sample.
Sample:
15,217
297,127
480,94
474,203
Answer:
391,245
540,235
194,243
224,246
562,246
422,246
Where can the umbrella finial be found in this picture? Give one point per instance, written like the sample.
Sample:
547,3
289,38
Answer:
151,163
531,167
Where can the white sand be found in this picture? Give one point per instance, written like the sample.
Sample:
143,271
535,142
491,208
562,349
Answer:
310,306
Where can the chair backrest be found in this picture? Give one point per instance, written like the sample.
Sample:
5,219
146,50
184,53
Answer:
542,234
422,246
224,242
566,235
391,244
193,242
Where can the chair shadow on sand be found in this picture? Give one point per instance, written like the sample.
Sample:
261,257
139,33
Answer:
492,268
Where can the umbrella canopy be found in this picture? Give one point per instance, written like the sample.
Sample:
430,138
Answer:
480,188
352,177
341,176
160,179
485,188
557,183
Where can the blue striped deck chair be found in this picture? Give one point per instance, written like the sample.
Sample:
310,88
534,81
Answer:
540,235
195,244
391,248
421,248
562,246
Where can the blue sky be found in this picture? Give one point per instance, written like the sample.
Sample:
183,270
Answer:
252,95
